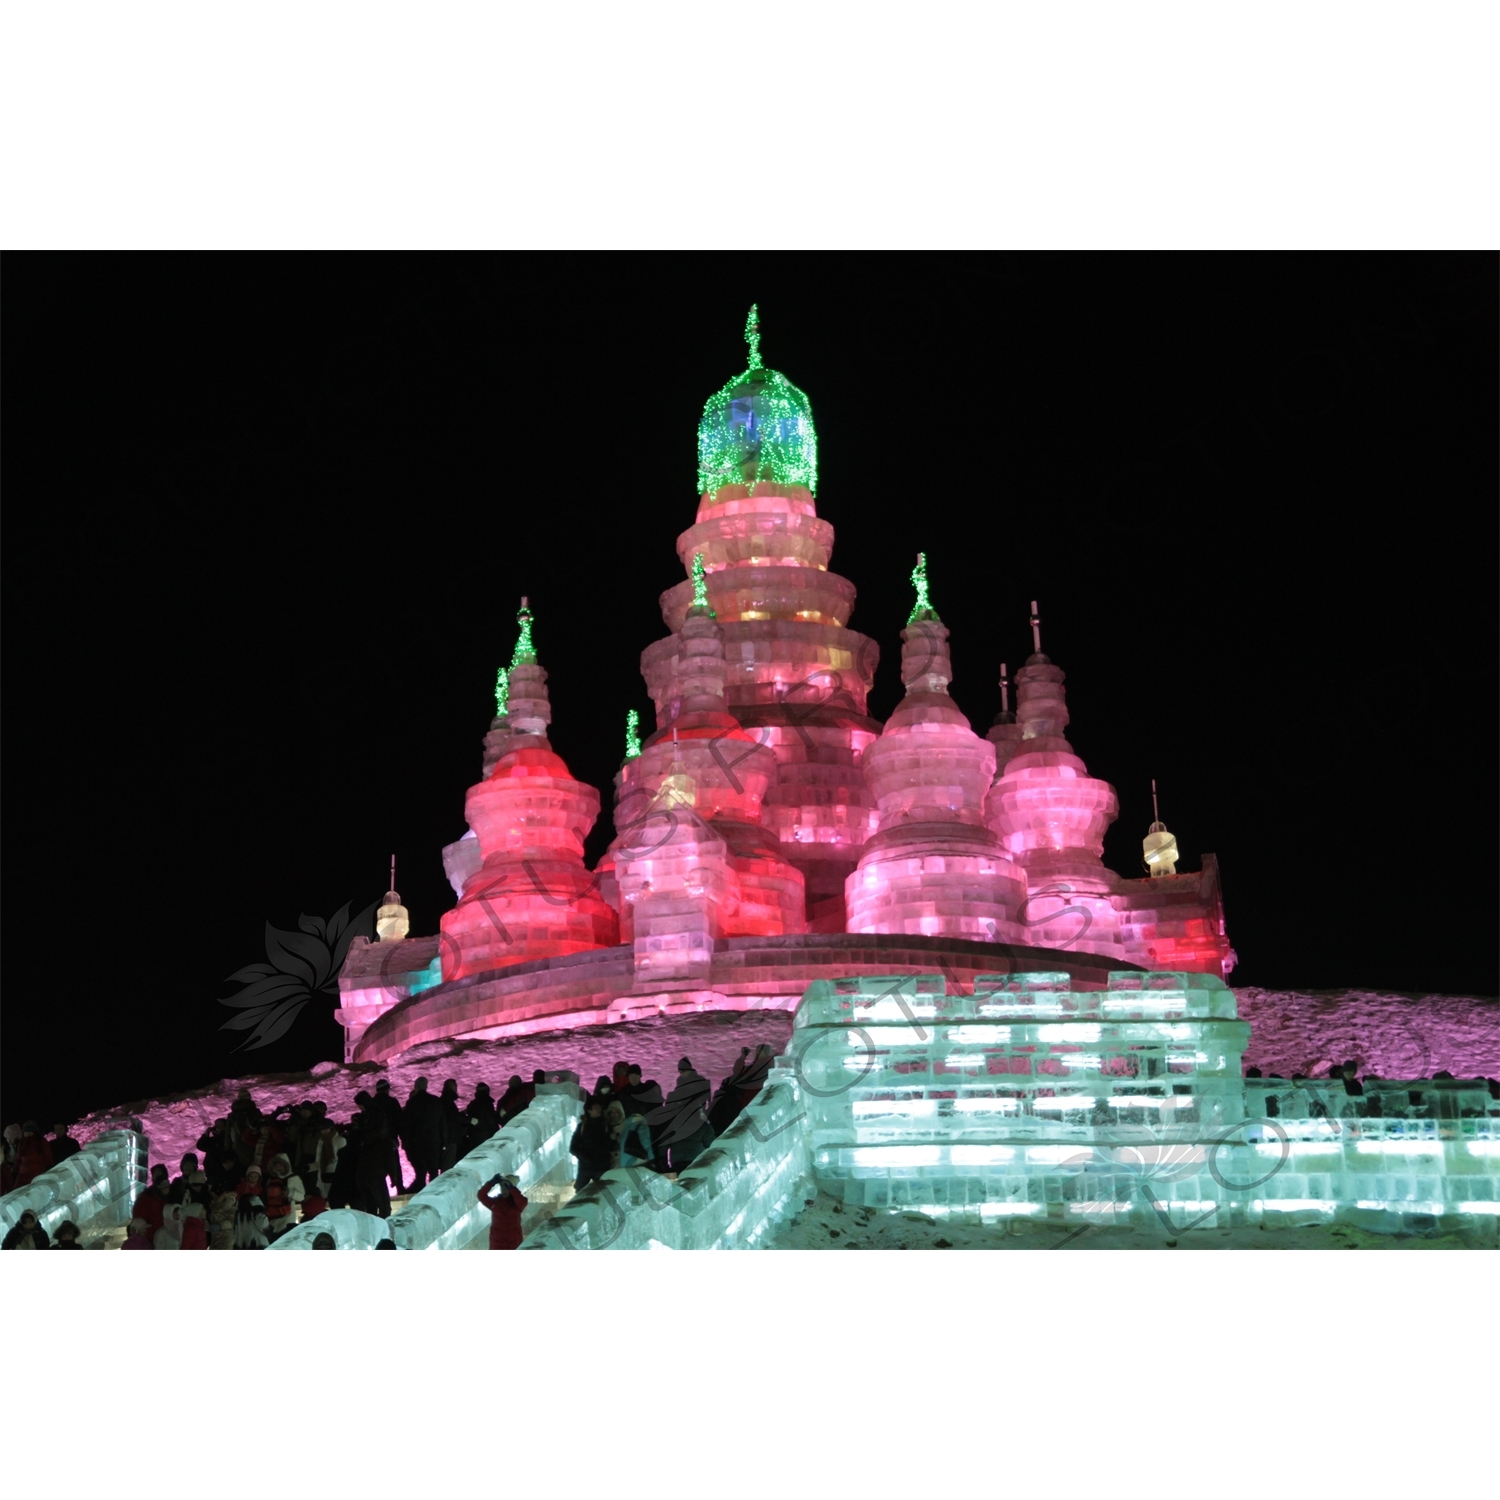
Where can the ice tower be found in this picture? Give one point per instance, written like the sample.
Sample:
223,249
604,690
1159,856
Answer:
531,896
933,867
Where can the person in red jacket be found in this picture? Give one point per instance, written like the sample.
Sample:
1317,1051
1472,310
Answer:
152,1204
33,1154
505,1202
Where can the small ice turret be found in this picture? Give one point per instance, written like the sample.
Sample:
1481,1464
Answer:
1158,848
392,920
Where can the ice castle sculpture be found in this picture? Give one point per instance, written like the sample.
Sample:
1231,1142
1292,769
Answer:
769,833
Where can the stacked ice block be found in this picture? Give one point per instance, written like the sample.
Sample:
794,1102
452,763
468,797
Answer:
753,1176
96,1187
1025,1099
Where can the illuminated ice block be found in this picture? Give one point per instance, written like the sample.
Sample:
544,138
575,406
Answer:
96,1187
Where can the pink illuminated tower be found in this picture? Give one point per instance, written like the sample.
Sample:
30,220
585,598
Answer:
531,896
1051,815
796,677
933,867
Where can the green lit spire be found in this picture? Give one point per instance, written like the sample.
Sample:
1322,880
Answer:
922,609
700,587
757,427
502,692
632,735
525,652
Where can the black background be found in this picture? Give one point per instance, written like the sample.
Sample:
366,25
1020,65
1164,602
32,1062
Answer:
269,520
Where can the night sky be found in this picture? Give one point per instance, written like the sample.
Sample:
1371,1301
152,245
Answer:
269,520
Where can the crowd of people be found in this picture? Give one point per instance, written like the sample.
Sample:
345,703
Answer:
261,1174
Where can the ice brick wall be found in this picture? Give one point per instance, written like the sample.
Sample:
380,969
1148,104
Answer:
95,1187
753,1176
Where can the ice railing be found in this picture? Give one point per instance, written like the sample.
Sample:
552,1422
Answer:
96,1187
447,1214
755,1175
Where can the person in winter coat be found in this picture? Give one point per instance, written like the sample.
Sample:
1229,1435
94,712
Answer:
620,1079
516,1097
303,1134
194,1227
250,1224
372,1189
26,1228
67,1236
506,1202
152,1203
33,1155
389,1109
221,1221
680,1127
421,1134
604,1091
250,1183
479,1118
227,1177
343,1185
283,1196
635,1142
63,1146
641,1097
216,1140
244,1123
450,1126
591,1145
138,1237
614,1119
12,1154
169,1233
331,1143
194,1191
179,1188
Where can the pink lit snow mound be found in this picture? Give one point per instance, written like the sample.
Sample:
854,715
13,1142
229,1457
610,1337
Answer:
1395,1036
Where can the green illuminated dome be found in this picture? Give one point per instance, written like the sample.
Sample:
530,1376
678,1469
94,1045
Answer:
758,427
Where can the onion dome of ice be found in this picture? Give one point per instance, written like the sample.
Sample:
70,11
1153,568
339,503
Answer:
757,427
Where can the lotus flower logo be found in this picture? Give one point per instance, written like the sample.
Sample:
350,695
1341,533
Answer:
302,964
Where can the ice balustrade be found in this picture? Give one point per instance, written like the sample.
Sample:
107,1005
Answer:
753,1176
1026,1099
447,1214
96,1187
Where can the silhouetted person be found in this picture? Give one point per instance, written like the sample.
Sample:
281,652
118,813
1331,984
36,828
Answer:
680,1128
635,1141
479,1118
33,1155
421,1134
152,1203
324,1241
516,1097
450,1125
63,1146
591,1145
388,1107
640,1097
370,1176
67,1236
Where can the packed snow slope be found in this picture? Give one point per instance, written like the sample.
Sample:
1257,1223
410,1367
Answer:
1394,1036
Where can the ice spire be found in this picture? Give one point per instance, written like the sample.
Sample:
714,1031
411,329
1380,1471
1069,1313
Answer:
632,735
392,921
525,652
1036,638
922,609
752,335
502,691
1158,848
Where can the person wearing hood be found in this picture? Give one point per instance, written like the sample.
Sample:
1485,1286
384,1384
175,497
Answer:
66,1237
194,1227
33,1155
614,1120
63,1146
169,1234
604,1091
591,1145
620,1079
479,1118
28,1229
192,1190
450,1126
221,1219
421,1134
250,1182
251,1224
151,1205
680,1126
389,1108
503,1197
283,1196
